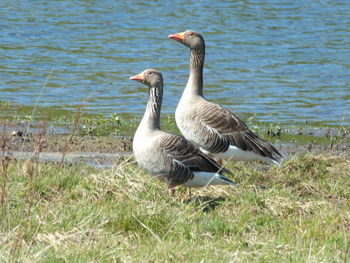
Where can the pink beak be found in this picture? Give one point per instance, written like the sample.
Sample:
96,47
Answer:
138,78
178,37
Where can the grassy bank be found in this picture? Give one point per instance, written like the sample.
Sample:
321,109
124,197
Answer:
296,213
74,213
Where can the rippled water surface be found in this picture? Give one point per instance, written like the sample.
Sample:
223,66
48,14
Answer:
283,61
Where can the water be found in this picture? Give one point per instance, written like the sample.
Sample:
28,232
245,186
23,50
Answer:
285,62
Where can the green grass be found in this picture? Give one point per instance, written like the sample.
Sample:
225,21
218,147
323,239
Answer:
295,213
91,124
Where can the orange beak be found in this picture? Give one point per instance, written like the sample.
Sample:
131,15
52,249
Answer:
138,77
178,37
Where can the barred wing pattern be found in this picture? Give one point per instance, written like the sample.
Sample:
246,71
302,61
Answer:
185,158
219,128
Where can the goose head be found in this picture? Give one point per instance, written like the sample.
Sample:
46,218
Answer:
189,38
149,77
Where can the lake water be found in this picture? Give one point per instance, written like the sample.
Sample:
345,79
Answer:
285,62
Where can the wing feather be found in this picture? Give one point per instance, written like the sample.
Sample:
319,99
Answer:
185,158
227,128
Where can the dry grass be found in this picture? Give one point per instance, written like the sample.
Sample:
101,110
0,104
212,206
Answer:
296,213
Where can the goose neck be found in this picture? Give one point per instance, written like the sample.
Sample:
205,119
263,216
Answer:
151,118
195,81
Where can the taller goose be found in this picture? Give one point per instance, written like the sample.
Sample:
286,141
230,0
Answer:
170,157
218,131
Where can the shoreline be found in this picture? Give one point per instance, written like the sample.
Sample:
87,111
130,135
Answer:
104,151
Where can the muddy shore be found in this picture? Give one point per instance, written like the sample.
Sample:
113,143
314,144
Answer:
107,150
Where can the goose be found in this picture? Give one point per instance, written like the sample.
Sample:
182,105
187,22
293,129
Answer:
218,132
169,157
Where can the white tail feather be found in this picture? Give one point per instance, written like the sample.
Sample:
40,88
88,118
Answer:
201,179
236,154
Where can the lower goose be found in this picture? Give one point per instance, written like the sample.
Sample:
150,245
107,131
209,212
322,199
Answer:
170,157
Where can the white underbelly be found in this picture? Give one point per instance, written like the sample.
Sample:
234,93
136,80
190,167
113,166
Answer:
234,153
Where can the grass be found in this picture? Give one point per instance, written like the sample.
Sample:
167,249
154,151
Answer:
66,213
91,124
88,124
296,213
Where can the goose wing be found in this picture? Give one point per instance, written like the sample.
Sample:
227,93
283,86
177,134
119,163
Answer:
185,158
222,128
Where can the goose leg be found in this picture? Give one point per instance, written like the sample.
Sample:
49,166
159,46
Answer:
171,191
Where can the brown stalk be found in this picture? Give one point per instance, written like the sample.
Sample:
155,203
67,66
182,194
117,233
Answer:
5,145
74,131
